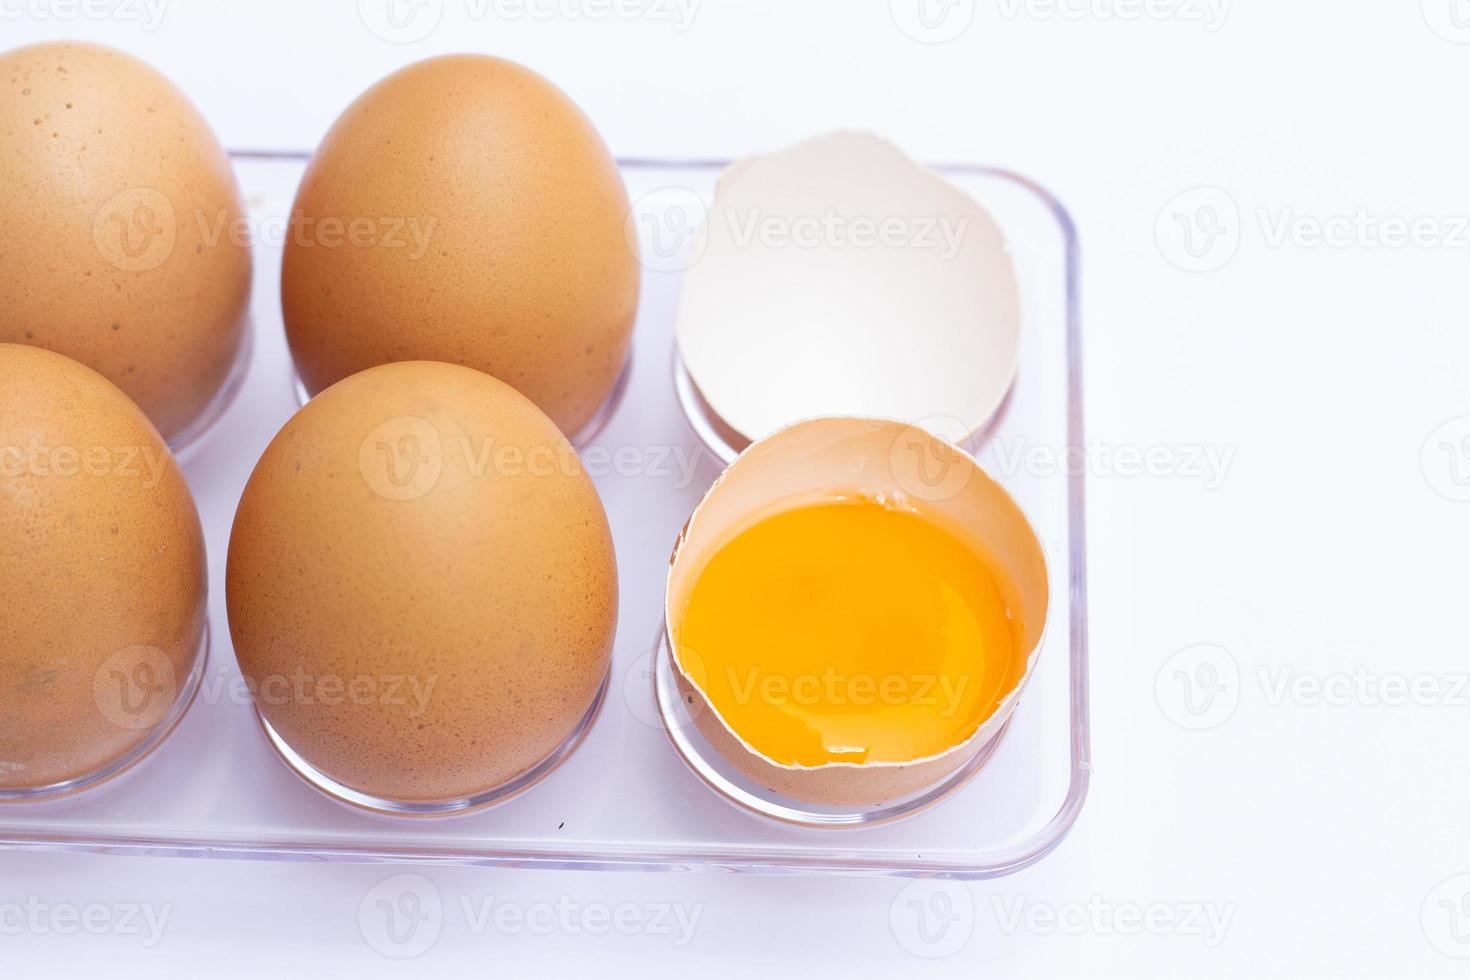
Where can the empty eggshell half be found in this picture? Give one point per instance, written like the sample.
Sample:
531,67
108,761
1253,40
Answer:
839,277
906,467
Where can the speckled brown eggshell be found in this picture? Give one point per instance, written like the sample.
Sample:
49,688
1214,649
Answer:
121,232
102,570
423,522
490,221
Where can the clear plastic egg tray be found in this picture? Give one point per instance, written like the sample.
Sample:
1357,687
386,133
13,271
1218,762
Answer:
625,799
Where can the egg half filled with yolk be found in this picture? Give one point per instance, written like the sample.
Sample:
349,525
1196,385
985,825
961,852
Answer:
849,630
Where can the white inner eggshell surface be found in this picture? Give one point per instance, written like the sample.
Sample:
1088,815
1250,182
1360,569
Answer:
839,277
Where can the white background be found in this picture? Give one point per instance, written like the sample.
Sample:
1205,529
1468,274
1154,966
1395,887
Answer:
1332,545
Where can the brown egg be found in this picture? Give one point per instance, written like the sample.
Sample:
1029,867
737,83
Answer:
102,569
464,210
123,245
421,584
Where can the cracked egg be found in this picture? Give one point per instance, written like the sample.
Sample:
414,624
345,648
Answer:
856,606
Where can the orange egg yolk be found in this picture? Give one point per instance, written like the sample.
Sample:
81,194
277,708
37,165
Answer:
849,631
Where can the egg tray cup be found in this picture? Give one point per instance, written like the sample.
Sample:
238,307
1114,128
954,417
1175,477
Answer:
437,808
133,756
739,789
629,796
